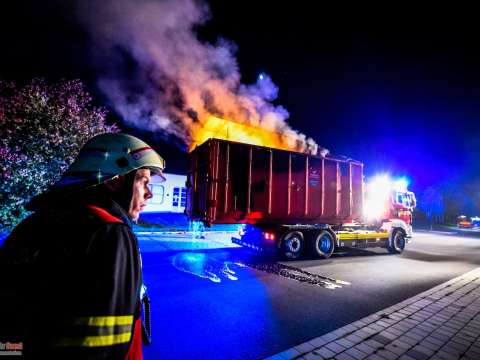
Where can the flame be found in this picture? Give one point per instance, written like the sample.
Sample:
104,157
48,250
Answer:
224,129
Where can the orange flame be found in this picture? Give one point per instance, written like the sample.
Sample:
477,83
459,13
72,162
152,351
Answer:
224,129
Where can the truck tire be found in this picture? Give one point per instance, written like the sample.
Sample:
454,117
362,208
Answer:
398,242
323,245
293,245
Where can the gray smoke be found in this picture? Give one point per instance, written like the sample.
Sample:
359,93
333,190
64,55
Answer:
159,76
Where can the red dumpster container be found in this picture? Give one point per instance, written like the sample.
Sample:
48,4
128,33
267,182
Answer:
230,182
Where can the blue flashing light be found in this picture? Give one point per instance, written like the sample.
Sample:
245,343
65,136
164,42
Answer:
401,184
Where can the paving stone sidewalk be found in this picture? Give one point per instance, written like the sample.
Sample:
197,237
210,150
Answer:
440,323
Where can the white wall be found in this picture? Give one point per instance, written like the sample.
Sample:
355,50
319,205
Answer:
168,196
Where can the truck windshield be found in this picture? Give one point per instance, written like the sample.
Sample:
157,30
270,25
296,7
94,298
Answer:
402,198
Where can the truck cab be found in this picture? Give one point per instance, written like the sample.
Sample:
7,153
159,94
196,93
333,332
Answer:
403,203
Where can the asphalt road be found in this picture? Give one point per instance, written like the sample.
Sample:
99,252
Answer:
210,302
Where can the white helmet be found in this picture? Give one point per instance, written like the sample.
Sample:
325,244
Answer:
106,156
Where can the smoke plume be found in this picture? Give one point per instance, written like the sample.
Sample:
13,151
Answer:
159,76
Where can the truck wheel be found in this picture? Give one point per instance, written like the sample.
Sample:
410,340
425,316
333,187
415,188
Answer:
398,242
293,244
323,245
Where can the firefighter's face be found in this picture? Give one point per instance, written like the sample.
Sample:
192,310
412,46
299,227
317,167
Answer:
141,193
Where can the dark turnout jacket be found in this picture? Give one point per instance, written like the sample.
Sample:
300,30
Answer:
75,278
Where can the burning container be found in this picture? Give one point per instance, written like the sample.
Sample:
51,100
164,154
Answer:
231,182
289,201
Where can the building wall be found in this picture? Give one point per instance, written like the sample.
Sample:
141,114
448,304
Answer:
168,196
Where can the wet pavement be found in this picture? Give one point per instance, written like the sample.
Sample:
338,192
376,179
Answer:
212,299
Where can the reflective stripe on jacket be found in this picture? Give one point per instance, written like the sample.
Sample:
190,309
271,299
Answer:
79,276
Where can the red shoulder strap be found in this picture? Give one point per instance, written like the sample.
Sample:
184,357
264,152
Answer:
103,214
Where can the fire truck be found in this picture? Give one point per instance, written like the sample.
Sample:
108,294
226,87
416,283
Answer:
295,203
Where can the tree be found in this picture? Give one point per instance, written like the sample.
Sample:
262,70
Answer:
459,200
42,128
431,201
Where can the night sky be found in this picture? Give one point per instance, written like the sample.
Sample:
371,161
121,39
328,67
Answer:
398,99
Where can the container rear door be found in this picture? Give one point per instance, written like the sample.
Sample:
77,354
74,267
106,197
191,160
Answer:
220,201
197,185
238,180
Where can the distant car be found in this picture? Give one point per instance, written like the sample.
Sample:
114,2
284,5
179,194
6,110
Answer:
475,221
464,222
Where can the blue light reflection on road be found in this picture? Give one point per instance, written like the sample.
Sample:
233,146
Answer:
199,317
204,266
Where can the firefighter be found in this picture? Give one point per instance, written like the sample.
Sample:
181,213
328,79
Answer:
75,260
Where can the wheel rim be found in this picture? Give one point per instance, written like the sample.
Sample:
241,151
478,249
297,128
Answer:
294,244
325,244
399,241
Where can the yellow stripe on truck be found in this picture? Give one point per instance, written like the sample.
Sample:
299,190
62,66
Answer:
362,236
